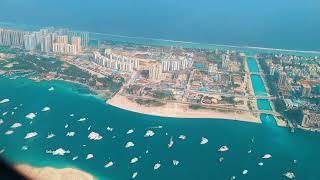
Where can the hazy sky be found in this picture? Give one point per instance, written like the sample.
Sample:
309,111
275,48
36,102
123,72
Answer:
293,23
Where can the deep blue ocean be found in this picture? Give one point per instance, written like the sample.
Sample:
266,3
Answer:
286,24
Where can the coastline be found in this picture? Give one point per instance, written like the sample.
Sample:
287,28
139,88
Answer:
176,110
50,173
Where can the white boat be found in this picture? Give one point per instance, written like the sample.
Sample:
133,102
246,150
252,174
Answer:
9,132
12,113
249,151
74,158
156,127
134,160
221,159
109,164
149,133
31,135
82,119
1,121
182,137
171,142
60,152
260,163
156,166
289,175
244,172
175,162
109,129
134,175
94,136
16,125
267,156
15,108
223,149
89,128
2,151
233,177
147,151
50,136
71,134
71,115
204,140
129,144
51,89
89,156
4,101
5,113
66,126
31,116
46,109
130,131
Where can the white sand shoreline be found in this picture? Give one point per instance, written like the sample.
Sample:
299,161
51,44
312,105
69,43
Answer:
177,110
49,173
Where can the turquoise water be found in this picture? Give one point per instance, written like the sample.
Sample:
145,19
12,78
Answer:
196,161
258,86
264,104
253,65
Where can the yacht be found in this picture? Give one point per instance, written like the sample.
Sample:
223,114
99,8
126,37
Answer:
267,156
149,133
204,140
134,160
171,142
244,172
134,175
50,136
223,149
129,144
109,164
156,166
289,175
182,137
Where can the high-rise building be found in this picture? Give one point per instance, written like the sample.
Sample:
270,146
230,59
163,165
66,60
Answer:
11,38
63,39
76,41
176,64
225,62
155,72
46,44
30,42
282,82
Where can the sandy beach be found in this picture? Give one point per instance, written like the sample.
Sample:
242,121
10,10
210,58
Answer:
49,173
178,110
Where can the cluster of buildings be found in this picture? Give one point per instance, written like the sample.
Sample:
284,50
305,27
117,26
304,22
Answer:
116,61
46,40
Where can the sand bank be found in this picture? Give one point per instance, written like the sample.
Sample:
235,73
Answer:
178,110
49,173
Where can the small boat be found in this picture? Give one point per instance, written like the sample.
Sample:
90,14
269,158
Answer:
129,144
94,136
156,166
89,128
221,159
51,89
89,156
182,137
249,151
204,140
82,119
66,126
260,163
71,115
289,175
295,161
4,101
31,135
2,151
130,131
9,132
74,158
175,162
5,113
267,156
134,160
149,133
147,151
223,149
24,148
171,142
233,177
31,116
134,175
16,125
109,164
71,134
45,109
50,136
109,129
1,121
244,172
